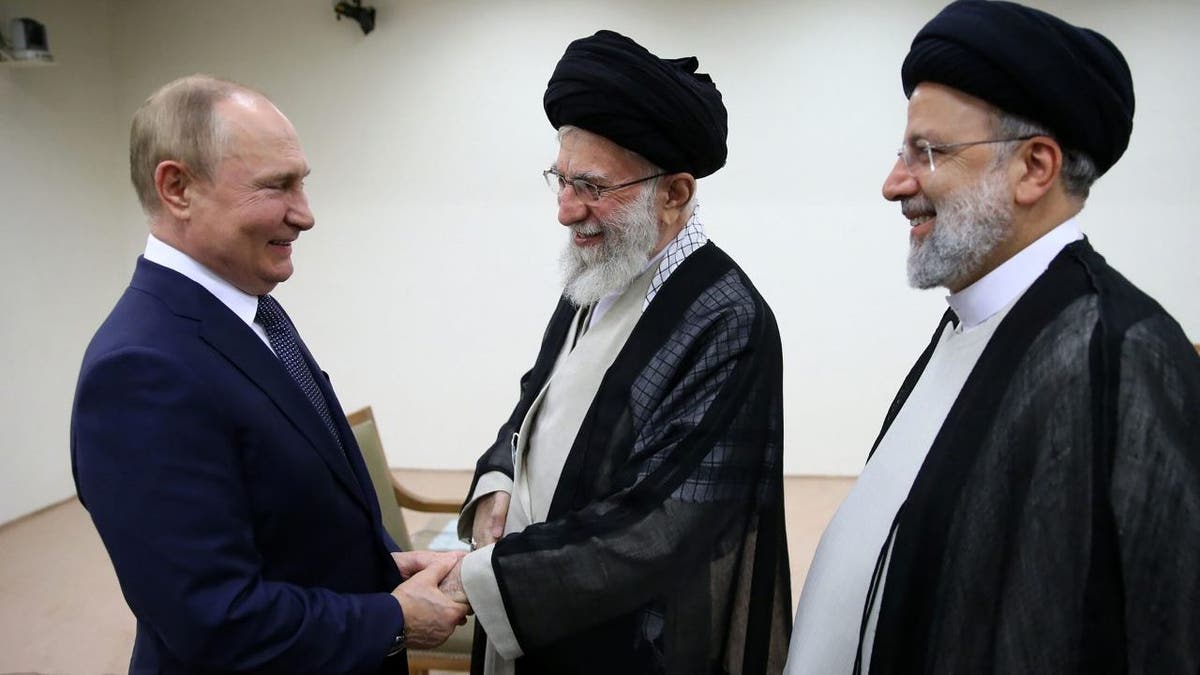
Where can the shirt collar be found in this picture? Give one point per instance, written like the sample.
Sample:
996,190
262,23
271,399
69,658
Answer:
981,300
684,244
238,301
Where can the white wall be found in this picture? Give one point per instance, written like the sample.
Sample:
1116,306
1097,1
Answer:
61,257
426,285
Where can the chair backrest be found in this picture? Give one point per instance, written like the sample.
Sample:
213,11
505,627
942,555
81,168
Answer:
362,422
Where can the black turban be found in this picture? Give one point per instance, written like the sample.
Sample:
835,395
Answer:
1026,62
661,109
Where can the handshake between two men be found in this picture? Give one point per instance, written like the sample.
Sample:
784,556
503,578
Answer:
432,594
213,456
432,601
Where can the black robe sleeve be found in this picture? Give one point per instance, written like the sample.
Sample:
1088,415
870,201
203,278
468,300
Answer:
1155,495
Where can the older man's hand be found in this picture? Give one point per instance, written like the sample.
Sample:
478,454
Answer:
411,562
452,586
490,514
429,616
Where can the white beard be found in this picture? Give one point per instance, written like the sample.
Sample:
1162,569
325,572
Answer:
630,234
970,223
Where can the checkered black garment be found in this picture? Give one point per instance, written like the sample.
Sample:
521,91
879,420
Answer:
682,380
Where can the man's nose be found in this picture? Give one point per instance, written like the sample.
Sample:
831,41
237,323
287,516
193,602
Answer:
899,183
571,208
299,214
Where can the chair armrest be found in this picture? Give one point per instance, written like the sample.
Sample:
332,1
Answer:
410,500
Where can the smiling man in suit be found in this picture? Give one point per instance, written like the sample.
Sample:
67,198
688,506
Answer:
207,444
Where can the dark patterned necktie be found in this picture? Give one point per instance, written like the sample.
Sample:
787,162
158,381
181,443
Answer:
279,332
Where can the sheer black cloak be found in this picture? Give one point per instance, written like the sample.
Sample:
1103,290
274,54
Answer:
1054,526
664,549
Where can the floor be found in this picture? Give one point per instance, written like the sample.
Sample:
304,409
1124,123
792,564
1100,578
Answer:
61,610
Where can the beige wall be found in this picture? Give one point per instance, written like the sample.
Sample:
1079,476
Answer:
63,258
426,284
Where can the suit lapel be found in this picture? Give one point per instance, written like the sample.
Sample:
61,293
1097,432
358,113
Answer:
233,339
352,452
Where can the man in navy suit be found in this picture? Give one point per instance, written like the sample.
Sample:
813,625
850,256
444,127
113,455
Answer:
208,445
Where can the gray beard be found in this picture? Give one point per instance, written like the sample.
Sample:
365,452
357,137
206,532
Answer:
971,222
630,234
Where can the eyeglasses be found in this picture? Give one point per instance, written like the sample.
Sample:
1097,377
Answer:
585,191
909,153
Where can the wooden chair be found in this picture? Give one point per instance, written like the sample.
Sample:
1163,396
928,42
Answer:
455,654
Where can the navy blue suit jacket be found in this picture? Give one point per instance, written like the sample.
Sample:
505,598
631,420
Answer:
244,539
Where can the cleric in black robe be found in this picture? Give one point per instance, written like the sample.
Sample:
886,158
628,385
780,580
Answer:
1032,503
638,481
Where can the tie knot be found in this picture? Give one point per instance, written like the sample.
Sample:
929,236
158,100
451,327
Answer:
269,313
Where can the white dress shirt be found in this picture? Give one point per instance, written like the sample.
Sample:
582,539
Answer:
244,305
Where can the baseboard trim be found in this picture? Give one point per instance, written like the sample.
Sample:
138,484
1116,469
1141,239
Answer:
33,514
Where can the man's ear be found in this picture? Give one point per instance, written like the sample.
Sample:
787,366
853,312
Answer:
1040,161
680,188
171,181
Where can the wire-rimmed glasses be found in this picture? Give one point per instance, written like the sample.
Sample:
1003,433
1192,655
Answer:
586,191
910,153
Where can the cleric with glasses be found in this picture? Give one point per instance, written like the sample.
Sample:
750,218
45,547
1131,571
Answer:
639,474
1032,501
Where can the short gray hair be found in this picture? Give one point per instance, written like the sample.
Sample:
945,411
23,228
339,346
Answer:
1078,169
178,122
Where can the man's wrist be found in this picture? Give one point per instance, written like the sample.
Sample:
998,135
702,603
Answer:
399,644
400,639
